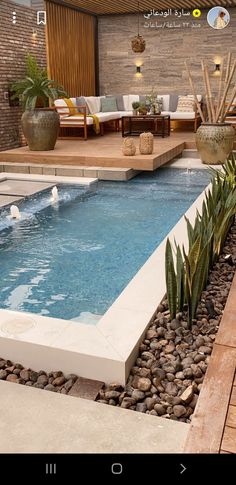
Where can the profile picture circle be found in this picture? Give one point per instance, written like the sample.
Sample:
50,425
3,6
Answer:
218,18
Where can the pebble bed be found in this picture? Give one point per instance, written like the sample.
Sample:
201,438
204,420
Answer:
168,373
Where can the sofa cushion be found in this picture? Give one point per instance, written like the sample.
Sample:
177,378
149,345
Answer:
63,110
129,99
108,104
119,101
182,115
77,120
165,101
108,116
173,102
94,104
199,97
80,101
124,113
185,104
142,99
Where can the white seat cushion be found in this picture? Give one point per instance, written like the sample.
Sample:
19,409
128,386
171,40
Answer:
182,115
79,120
125,113
111,115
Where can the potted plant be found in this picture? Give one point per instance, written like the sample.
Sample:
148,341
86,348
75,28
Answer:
142,109
153,103
135,106
40,122
215,137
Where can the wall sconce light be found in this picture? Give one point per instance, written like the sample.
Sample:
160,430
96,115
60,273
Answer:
34,33
138,71
216,71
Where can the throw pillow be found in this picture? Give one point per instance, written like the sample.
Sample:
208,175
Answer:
185,104
119,101
160,103
94,104
142,99
173,102
80,101
108,104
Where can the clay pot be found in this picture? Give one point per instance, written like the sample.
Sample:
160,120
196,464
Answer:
40,128
215,142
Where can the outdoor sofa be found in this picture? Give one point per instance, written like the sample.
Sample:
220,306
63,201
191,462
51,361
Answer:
83,112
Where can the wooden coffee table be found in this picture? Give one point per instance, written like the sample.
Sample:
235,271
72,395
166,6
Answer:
158,125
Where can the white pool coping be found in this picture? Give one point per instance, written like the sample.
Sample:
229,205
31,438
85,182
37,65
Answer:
107,351
47,178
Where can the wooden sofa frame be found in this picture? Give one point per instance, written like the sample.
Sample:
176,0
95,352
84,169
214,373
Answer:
82,125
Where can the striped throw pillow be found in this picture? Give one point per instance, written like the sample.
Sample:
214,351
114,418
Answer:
185,103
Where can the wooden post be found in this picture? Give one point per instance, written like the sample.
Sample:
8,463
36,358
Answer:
220,85
194,93
207,96
228,67
229,104
213,114
221,107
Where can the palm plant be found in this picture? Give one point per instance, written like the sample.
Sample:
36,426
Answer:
36,89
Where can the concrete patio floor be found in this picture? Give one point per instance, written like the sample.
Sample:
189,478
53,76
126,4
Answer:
36,421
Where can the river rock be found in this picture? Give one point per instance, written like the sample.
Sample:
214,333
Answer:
179,410
159,409
59,381
112,394
141,407
142,383
151,334
171,389
3,374
187,395
12,378
42,379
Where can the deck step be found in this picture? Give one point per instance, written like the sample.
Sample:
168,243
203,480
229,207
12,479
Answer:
101,173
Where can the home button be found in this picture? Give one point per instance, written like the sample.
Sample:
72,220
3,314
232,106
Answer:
116,468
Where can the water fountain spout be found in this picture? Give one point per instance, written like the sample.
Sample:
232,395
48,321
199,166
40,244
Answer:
15,213
55,196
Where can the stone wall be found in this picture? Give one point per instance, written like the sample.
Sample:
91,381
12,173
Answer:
166,50
15,42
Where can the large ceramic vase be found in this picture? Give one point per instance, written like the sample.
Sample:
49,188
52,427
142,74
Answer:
215,142
40,128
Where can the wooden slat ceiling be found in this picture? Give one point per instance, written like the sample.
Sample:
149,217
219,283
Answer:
109,7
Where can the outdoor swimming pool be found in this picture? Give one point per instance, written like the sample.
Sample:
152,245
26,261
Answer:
72,259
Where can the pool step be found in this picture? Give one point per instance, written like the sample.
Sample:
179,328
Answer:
101,173
190,153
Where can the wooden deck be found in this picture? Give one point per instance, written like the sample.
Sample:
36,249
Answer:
104,151
213,428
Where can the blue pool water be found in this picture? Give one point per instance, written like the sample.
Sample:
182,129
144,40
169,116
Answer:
72,259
